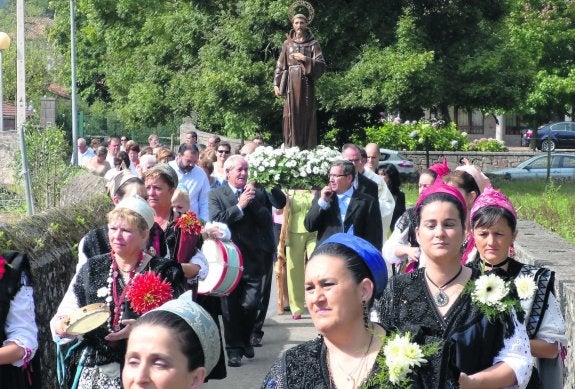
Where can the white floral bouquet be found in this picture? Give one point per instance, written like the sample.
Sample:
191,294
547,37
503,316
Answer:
291,168
492,295
400,356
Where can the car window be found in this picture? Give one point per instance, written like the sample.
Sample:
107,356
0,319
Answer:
571,127
539,163
559,127
568,162
384,157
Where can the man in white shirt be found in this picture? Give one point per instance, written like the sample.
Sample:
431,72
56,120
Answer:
193,178
85,153
385,199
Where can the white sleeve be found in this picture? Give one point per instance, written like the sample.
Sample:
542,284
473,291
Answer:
200,259
553,325
386,206
203,205
68,305
82,259
20,325
516,353
396,238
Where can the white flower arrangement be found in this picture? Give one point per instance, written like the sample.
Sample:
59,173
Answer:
525,286
400,356
291,168
491,294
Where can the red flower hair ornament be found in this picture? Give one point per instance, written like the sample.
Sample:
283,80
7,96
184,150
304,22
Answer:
148,291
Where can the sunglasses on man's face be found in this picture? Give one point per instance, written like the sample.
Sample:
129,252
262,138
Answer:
224,151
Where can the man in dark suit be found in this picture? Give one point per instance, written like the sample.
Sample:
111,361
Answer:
247,212
339,207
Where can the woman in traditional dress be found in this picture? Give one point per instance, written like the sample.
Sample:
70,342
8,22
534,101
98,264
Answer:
494,226
172,347
161,182
477,351
94,361
18,330
342,277
471,182
401,249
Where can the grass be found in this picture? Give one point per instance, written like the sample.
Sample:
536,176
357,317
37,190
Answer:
552,206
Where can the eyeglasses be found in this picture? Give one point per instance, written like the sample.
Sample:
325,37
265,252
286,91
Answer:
224,151
337,175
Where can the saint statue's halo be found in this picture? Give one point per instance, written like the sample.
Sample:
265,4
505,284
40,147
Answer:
298,4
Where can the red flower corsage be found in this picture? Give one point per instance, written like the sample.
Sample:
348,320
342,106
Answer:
148,291
3,264
189,223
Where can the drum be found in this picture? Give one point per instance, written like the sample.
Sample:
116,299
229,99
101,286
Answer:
226,267
88,318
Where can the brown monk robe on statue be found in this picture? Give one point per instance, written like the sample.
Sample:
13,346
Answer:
299,65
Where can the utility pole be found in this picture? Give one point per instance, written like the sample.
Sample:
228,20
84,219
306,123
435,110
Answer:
73,86
21,101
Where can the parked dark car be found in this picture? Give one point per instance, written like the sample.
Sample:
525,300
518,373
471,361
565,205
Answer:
562,166
558,135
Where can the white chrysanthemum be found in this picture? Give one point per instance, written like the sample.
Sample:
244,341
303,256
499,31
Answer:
525,286
397,372
102,292
261,168
490,290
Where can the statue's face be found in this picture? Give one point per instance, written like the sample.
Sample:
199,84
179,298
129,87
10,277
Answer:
299,24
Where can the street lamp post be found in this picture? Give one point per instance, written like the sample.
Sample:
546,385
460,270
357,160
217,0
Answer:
4,44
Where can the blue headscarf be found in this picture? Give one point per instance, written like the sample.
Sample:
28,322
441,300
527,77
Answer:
370,255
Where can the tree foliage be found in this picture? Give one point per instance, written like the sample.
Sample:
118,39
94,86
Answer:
152,61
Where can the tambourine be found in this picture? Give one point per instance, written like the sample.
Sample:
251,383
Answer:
87,318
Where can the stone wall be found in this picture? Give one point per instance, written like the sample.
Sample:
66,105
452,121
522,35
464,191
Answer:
484,160
537,246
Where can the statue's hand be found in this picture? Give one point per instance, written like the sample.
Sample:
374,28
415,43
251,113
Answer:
299,57
277,91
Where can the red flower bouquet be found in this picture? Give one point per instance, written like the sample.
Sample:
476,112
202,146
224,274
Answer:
189,223
148,291
190,228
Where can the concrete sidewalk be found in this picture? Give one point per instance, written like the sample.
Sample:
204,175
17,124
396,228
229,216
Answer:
281,333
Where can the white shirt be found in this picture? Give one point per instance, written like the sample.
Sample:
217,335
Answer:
20,324
84,157
385,200
197,184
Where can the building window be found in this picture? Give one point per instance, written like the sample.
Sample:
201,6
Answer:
512,126
470,122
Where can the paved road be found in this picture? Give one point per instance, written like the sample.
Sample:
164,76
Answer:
281,333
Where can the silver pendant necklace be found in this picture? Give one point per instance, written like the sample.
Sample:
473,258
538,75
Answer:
441,298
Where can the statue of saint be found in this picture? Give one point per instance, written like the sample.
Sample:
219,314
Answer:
299,65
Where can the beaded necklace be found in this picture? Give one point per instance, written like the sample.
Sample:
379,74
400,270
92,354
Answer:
113,323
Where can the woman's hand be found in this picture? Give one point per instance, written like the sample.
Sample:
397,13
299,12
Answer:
123,333
61,324
413,254
277,92
299,57
467,382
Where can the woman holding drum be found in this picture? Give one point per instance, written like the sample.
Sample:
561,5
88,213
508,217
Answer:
111,280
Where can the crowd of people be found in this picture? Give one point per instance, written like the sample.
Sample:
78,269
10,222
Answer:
363,266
